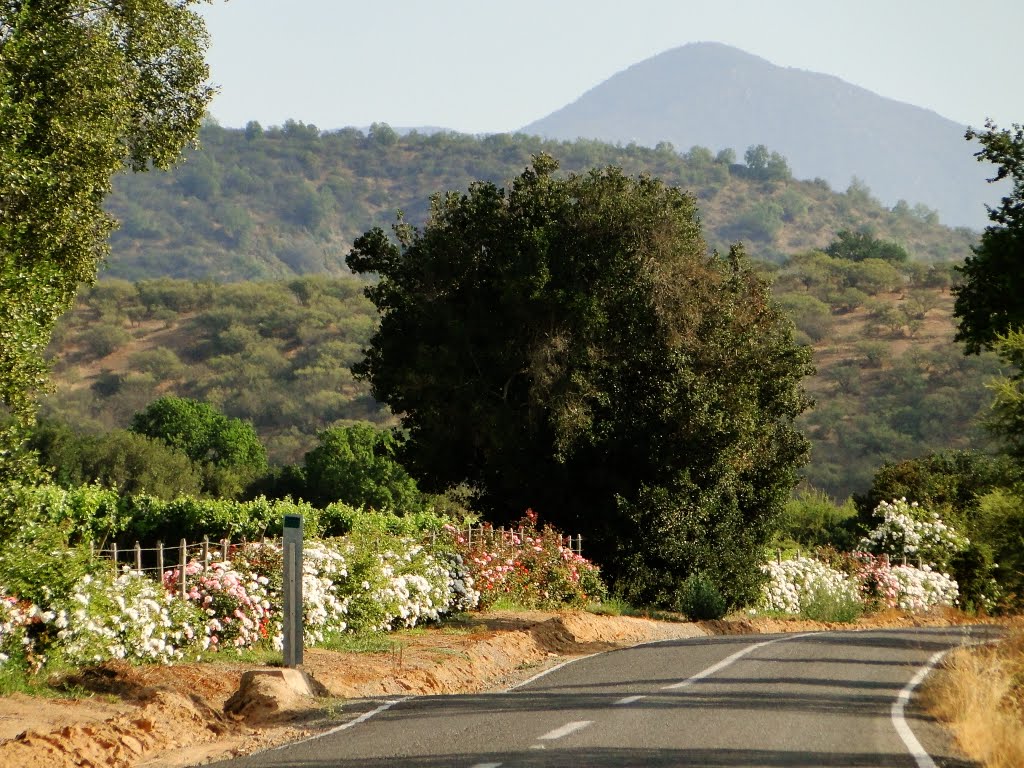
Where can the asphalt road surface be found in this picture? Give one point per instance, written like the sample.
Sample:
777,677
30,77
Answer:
818,699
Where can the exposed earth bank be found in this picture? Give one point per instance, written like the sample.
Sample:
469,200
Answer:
188,714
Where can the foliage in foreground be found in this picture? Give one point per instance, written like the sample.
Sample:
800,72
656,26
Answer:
977,692
60,606
86,90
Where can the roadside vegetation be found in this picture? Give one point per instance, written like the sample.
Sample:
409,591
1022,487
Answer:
978,693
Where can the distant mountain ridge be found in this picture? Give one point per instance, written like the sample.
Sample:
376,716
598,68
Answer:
713,95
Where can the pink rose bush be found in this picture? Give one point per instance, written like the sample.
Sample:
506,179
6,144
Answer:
528,567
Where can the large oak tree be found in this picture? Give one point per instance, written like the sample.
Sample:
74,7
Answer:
568,344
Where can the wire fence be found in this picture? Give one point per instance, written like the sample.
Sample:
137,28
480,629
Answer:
168,561
919,561
486,534
163,560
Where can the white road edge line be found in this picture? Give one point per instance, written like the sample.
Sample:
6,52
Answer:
918,752
729,660
565,730
548,671
629,700
899,721
345,726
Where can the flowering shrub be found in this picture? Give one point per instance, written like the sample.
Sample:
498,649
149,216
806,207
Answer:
124,617
15,617
530,566
399,584
922,588
324,610
908,530
235,602
879,585
365,581
794,584
351,584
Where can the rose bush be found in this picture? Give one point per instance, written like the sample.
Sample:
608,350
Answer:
907,530
795,584
528,566
366,581
127,616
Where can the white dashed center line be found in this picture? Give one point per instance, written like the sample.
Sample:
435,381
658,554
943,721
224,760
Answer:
565,730
629,700
729,660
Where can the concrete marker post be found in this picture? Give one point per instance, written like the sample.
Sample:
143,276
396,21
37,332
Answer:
292,588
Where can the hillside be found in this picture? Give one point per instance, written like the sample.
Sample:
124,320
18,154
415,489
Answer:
890,383
279,202
718,96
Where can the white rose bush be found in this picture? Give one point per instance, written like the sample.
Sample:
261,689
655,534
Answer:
128,616
793,584
907,530
15,617
904,531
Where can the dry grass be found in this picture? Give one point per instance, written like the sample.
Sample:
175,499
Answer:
979,694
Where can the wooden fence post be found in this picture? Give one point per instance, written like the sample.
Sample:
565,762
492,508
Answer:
206,552
160,559
183,559
138,557
224,550
113,554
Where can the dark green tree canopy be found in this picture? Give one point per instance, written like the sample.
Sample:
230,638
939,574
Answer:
130,462
990,297
202,433
567,344
357,465
861,245
765,165
87,88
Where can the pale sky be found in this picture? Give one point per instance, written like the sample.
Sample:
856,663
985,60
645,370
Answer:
478,66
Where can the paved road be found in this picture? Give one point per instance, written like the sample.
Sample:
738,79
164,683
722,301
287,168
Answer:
821,699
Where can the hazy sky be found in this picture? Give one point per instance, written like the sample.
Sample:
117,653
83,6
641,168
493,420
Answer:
483,67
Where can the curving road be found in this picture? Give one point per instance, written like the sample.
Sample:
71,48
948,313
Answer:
820,699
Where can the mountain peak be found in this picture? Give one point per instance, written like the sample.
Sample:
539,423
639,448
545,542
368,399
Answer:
714,95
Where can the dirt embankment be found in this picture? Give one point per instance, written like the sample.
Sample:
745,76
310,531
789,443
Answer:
188,714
